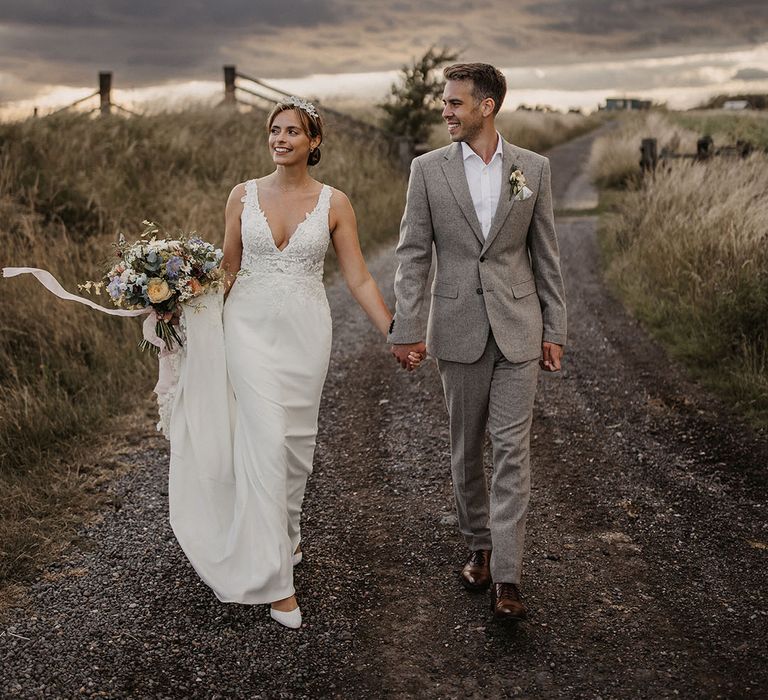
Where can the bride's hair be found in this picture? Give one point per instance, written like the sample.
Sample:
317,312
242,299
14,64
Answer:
310,119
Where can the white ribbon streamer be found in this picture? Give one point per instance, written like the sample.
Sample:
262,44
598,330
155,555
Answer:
166,374
52,285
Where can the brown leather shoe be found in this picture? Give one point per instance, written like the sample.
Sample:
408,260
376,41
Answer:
506,602
476,574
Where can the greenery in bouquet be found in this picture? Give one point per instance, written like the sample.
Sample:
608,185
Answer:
160,273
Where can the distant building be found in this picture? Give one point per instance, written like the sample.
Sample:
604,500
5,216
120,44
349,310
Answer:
736,104
613,104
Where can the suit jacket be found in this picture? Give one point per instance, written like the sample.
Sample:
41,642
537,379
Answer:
509,283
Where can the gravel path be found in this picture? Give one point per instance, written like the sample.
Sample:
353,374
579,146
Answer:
645,568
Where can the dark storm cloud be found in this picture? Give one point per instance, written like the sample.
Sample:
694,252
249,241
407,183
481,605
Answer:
751,74
178,14
142,41
638,23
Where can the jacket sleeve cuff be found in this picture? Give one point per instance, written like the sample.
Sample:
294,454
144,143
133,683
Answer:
405,332
552,337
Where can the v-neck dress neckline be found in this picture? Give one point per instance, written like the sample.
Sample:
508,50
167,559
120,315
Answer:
301,223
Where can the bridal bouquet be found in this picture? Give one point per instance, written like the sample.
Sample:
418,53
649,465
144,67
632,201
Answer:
160,273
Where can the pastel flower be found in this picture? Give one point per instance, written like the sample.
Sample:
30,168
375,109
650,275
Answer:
173,266
114,287
517,181
158,290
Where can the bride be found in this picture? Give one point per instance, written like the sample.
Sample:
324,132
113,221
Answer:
240,462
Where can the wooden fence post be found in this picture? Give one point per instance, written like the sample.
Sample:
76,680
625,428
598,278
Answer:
744,148
105,92
704,148
229,85
649,156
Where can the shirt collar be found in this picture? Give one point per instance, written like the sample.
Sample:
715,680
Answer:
467,151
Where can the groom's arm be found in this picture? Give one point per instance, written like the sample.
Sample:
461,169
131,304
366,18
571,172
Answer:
545,260
414,255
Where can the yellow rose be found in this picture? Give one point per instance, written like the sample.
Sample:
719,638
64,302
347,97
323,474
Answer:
158,290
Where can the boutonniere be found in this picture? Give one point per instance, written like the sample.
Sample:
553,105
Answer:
517,185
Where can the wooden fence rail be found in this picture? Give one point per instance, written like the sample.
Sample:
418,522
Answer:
401,149
705,150
104,94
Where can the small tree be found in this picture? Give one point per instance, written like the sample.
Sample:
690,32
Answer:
413,105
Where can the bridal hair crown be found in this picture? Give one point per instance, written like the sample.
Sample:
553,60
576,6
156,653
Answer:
302,104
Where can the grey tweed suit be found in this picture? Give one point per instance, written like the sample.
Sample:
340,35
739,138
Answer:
494,300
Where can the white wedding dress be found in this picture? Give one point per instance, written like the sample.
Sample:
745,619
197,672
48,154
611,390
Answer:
244,416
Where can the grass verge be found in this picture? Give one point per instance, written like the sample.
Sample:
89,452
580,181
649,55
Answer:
687,252
725,126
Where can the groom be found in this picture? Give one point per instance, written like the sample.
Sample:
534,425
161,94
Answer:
497,314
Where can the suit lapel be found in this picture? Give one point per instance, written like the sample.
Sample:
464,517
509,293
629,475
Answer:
453,167
506,203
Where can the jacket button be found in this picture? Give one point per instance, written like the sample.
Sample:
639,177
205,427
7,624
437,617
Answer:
479,290
482,258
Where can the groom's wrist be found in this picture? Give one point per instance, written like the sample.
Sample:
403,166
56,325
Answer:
552,337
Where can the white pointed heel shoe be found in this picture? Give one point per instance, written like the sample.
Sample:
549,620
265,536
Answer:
296,558
291,619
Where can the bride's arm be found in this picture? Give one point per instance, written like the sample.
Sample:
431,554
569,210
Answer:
233,244
352,264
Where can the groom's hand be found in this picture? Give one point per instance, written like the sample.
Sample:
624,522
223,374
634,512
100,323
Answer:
401,353
551,354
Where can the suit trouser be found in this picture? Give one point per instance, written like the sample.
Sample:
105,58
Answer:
499,394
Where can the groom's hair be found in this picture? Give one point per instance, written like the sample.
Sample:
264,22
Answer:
487,81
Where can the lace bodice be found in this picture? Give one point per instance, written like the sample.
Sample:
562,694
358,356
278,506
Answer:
300,262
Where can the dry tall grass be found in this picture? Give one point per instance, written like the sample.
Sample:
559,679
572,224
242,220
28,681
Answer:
67,185
540,131
726,126
536,131
688,251
615,157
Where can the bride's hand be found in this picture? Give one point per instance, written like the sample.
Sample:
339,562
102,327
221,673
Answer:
414,360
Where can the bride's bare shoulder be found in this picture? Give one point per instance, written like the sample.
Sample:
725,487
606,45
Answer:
237,195
341,210
339,200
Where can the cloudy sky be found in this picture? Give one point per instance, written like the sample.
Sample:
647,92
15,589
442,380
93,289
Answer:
569,51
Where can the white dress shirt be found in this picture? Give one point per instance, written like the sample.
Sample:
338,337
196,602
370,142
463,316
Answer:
484,183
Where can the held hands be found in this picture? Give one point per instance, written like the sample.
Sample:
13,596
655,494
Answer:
409,356
551,354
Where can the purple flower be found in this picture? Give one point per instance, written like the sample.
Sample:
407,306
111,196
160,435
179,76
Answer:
173,266
114,287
